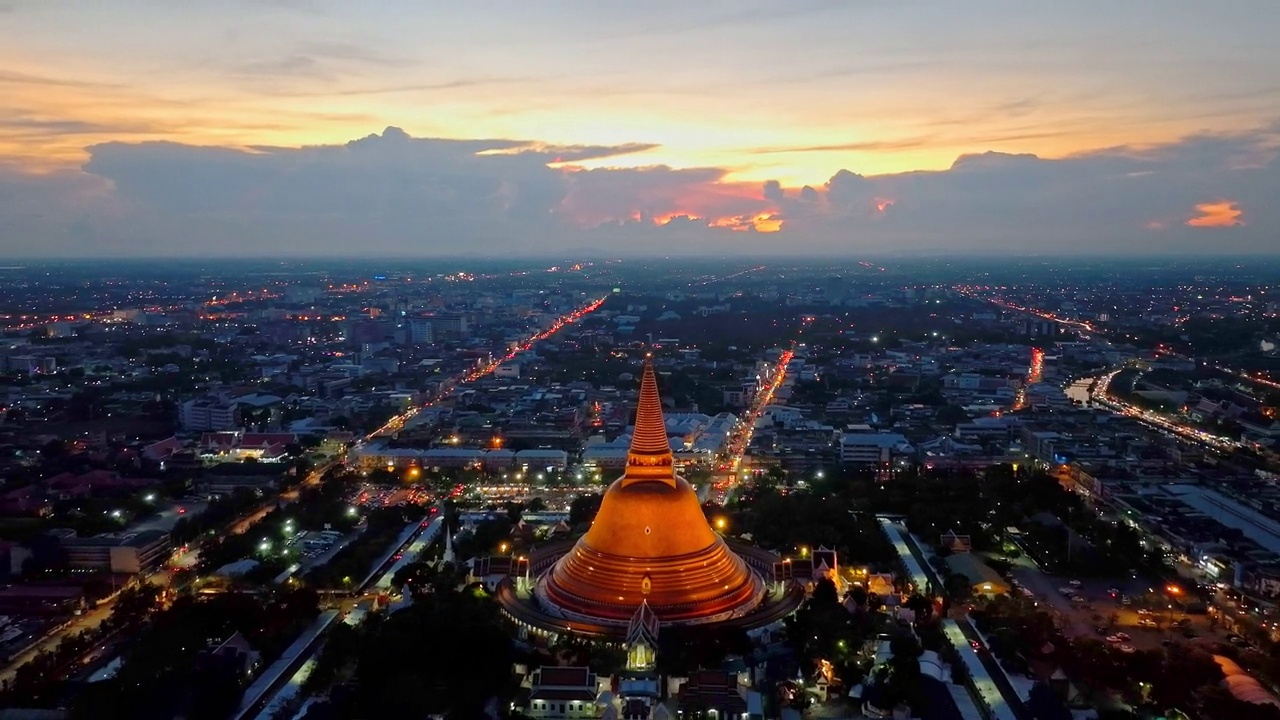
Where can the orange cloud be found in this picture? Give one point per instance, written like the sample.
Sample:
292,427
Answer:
660,195
1219,214
763,222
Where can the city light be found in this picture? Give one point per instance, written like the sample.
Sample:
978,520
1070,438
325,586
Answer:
398,422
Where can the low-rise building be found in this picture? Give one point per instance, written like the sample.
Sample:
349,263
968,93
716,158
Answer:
862,446
563,692
129,554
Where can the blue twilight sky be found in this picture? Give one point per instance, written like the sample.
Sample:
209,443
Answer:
137,127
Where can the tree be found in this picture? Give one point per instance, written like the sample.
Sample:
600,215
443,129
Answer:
471,663
951,415
583,509
824,594
134,604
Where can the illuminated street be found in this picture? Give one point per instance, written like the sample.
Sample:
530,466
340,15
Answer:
740,438
1102,398
397,423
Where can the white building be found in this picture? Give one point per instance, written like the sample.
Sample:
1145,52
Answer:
864,446
208,414
420,331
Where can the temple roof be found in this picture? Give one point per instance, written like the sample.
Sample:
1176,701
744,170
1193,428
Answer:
644,625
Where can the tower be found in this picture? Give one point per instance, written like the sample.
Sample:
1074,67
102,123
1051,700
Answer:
650,545
447,556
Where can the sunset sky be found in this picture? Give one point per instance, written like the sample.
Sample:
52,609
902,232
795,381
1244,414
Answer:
147,126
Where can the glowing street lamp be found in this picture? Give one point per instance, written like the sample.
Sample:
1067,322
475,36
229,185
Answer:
721,524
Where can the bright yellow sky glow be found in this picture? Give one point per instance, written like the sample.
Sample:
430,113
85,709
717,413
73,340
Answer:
1167,121
762,91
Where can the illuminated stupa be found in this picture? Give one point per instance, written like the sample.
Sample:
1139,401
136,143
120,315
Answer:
650,543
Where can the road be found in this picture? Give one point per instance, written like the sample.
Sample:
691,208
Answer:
93,618
1005,695
397,423
165,519
1103,398
88,621
740,437
78,623
285,498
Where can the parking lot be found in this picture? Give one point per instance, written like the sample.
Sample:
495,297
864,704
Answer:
379,496
1149,620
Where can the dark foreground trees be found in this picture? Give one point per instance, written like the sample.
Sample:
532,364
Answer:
446,654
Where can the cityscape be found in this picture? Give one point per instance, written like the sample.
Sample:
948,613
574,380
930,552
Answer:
242,489
607,361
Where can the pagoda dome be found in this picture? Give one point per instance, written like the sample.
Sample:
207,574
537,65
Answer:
650,542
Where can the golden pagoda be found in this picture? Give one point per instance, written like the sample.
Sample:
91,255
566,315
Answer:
650,544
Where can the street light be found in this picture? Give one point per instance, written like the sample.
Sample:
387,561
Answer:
721,524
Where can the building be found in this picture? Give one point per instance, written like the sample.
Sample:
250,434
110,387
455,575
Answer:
419,331
563,692
983,579
41,599
538,458
31,364
208,414
129,554
862,446
225,478
650,544
713,693
452,324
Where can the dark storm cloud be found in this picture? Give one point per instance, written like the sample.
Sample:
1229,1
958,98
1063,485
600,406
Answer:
390,193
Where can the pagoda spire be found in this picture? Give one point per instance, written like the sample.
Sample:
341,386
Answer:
650,458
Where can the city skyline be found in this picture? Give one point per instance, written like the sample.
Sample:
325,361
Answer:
256,129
